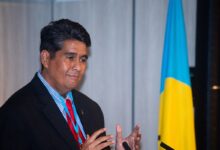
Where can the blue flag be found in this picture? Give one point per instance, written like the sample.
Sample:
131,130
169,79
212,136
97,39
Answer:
176,117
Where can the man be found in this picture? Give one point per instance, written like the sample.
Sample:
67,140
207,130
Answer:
48,113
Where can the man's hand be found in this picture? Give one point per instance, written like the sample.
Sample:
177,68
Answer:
94,143
133,140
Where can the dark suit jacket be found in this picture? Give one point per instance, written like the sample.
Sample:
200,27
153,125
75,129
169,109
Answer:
30,120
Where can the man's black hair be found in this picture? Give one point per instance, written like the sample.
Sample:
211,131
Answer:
56,32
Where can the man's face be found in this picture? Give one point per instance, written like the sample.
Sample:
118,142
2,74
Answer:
65,71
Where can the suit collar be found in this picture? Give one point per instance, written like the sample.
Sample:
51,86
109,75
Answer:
52,112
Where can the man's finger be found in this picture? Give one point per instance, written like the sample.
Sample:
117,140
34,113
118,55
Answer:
95,135
93,142
136,131
137,128
105,144
99,143
103,139
118,134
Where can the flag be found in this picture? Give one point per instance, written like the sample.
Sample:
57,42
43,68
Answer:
176,116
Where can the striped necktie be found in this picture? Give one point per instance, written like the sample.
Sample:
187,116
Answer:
76,131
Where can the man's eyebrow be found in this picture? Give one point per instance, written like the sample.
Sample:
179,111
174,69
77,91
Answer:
74,54
69,53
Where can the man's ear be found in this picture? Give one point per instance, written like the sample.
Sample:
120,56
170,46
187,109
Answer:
44,58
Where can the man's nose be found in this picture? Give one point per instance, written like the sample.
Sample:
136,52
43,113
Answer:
77,65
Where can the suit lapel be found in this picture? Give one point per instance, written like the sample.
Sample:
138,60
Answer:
80,110
57,120
52,113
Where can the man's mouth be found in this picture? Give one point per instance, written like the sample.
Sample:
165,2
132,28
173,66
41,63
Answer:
74,76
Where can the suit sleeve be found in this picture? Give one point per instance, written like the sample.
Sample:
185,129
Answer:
13,135
101,120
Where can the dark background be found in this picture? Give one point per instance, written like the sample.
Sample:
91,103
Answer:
206,75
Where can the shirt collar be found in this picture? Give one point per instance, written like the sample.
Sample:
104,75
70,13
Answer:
55,95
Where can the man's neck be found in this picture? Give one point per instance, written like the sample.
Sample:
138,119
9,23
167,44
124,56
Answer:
47,79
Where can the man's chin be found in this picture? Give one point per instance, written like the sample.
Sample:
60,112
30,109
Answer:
72,86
